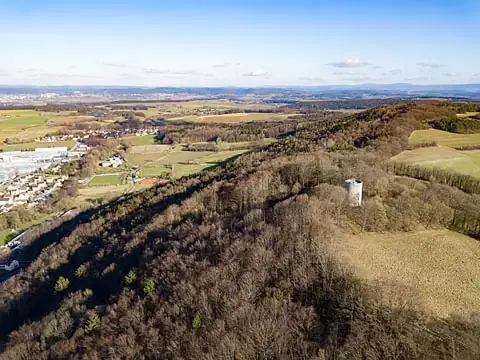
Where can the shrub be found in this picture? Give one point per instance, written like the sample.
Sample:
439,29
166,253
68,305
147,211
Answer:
62,284
93,323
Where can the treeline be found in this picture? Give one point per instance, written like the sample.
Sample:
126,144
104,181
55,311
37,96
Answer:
467,183
457,125
357,104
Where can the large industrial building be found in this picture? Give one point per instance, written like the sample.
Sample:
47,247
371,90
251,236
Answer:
24,162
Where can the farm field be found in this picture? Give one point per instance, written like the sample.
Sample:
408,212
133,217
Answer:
105,180
235,118
219,156
143,149
34,145
444,138
467,114
244,144
133,140
172,160
441,266
108,191
154,171
442,157
21,124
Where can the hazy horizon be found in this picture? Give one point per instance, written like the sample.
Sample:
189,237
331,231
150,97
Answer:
240,43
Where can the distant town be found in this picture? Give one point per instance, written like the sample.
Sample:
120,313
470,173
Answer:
42,95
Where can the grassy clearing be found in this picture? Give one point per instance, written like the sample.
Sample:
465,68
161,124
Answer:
148,172
444,138
219,156
441,266
133,140
180,170
142,149
105,180
108,191
234,118
5,233
35,145
188,118
242,117
183,157
463,162
245,144
145,159
467,114
96,192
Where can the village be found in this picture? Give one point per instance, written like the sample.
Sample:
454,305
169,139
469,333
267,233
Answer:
29,177
84,135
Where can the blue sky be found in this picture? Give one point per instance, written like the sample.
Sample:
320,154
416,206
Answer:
245,42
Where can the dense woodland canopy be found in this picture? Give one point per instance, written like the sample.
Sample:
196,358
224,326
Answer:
234,263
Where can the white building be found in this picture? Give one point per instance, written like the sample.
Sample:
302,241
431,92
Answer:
114,162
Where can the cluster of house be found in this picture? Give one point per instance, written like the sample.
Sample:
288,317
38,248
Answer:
55,138
30,190
84,135
115,162
206,112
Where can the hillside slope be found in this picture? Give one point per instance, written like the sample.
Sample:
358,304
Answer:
235,263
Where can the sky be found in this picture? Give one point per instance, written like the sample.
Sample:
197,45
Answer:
239,42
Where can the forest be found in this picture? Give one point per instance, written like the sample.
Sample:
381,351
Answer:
235,262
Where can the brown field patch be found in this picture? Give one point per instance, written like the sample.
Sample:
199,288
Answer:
143,149
244,117
441,266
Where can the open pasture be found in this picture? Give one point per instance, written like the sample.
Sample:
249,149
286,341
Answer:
143,149
163,160
467,114
442,157
444,138
21,124
440,266
34,145
134,140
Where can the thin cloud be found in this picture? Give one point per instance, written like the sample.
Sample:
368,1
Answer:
431,65
257,73
227,64
312,79
395,72
115,65
451,74
30,70
175,72
357,78
350,63
477,75
418,78
66,76
392,72
341,73
378,67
